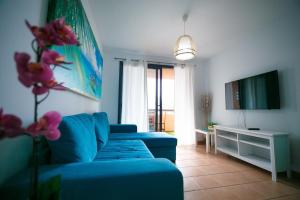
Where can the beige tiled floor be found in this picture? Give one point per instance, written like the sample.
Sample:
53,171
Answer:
210,176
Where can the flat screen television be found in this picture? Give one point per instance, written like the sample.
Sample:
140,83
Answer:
255,92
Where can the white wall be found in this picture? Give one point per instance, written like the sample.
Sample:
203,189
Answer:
14,98
200,88
276,46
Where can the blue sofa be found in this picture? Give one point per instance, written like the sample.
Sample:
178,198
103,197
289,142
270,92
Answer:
161,145
101,161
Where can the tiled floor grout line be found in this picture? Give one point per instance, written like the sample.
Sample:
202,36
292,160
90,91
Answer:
212,165
246,170
287,183
235,168
287,195
192,166
222,186
219,174
226,164
210,174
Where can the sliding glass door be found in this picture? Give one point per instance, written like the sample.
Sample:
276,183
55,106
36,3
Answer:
154,100
160,83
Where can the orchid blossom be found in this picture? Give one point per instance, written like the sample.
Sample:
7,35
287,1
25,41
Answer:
47,126
53,58
40,89
39,76
54,33
10,125
30,73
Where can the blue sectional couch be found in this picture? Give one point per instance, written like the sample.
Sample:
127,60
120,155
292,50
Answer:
161,145
101,161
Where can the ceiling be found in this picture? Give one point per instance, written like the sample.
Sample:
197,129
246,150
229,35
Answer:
152,26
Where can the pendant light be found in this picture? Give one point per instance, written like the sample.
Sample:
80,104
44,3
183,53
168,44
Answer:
185,48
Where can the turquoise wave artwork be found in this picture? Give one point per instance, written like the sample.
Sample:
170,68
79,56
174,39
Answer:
85,74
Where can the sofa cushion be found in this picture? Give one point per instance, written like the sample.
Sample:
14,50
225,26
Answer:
102,128
123,128
123,150
77,142
153,139
145,179
164,152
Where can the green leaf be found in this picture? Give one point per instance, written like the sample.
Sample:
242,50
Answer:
51,189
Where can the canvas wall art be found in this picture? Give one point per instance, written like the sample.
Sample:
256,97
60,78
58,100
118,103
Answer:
85,74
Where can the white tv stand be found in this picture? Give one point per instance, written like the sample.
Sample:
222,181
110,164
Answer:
266,149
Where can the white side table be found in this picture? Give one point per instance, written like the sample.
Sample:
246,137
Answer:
208,134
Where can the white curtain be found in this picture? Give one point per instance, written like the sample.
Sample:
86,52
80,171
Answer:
184,105
134,97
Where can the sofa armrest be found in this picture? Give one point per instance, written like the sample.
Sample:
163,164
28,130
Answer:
145,179
123,128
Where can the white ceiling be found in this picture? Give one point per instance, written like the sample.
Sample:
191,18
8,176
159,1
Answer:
152,26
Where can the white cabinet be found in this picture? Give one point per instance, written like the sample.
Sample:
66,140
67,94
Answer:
265,149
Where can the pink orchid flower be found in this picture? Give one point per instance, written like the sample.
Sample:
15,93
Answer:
22,60
53,58
54,33
41,35
61,33
30,73
10,125
47,126
40,89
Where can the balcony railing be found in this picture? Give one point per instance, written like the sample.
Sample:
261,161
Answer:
167,123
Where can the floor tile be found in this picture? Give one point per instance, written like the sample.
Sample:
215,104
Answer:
191,171
244,193
190,184
289,197
197,195
212,177
269,189
207,182
193,162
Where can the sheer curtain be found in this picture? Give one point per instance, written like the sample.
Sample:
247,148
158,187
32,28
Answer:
184,105
134,97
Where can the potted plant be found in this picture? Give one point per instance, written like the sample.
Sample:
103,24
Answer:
38,76
211,125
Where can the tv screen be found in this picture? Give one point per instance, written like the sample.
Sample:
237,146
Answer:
256,92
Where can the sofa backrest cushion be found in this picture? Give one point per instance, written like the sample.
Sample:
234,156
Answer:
77,142
102,128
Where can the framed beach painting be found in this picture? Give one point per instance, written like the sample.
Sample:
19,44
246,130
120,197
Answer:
85,73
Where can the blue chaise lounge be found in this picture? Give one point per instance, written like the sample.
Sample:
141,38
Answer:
161,145
107,162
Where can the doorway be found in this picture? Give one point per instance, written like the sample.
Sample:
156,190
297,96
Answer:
160,86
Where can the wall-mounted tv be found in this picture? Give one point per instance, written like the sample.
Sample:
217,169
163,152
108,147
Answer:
255,92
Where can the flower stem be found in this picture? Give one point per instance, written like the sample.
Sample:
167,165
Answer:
43,99
36,139
35,108
33,47
35,145
35,169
